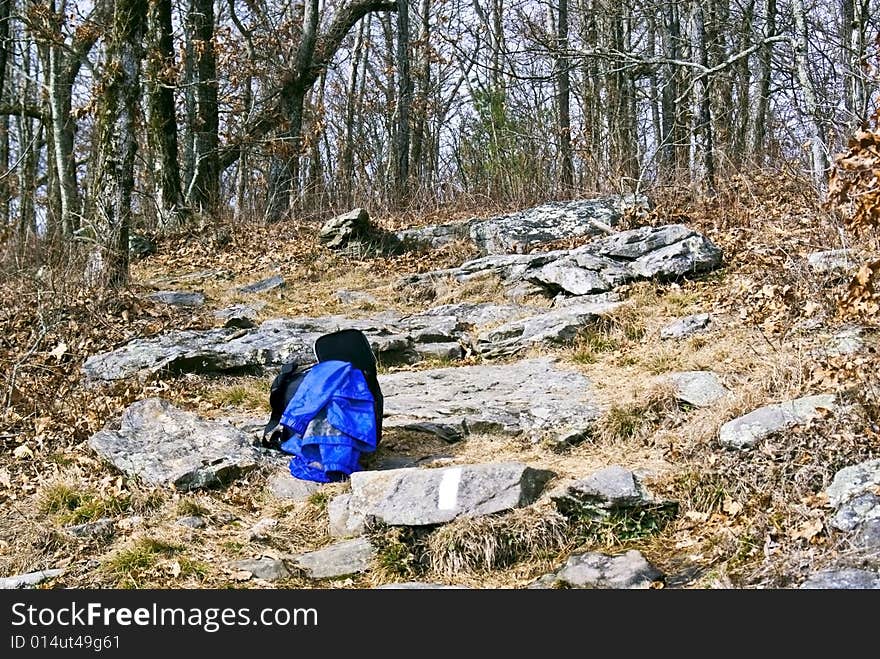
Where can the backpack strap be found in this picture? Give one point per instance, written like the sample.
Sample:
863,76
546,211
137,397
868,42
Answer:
281,391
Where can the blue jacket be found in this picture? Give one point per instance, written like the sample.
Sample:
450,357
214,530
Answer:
332,421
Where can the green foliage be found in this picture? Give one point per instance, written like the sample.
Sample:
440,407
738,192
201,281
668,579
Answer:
591,345
128,566
400,551
597,525
189,508
71,505
499,155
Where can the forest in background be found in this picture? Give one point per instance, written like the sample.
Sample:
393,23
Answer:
123,116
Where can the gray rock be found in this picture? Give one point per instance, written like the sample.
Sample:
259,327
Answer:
846,342
868,534
746,431
344,523
857,511
434,236
100,528
638,243
480,314
340,230
843,579
30,579
524,230
661,253
611,487
629,570
179,298
450,351
854,494
688,257
191,521
447,433
853,481
423,497
355,297
338,560
266,568
240,316
163,445
276,341
275,281
286,486
687,326
535,397
697,388
832,261
139,246
556,327
521,231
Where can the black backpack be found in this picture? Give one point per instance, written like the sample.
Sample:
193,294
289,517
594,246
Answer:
348,345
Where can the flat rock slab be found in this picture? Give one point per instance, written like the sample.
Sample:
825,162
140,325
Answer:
265,567
284,485
697,388
832,261
524,230
662,253
746,431
164,445
686,326
629,570
337,560
263,285
537,397
395,339
843,579
854,494
28,580
424,497
613,487
179,298
556,327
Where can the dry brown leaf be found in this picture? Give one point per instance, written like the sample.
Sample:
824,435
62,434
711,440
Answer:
808,530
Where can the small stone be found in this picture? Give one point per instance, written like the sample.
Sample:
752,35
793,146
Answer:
263,285
192,521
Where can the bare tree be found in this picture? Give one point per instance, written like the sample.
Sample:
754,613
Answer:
113,180
404,102
203,188
563,99
800,44
160,74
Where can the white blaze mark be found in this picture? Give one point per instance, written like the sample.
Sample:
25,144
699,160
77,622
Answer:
447,498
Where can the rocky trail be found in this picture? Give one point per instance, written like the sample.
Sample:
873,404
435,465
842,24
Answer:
591,397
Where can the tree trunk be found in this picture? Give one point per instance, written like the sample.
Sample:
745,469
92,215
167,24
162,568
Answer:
161,119
671,128
404,102
563,102
352,102
113,183
421,101
5,44
203,191
819,160
762,101
705,156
